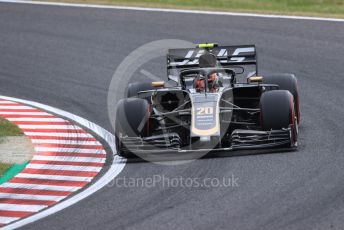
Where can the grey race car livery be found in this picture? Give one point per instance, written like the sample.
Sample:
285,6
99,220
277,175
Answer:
219,102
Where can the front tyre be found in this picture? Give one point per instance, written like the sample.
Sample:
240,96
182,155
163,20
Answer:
132,120
277,111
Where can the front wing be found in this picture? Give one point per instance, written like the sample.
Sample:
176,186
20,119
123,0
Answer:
240,139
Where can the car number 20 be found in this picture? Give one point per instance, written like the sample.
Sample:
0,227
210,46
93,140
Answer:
205,111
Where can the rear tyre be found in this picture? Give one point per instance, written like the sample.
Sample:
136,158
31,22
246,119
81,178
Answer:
136,87
286,82
132,120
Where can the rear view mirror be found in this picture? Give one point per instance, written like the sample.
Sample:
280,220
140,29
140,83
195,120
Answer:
255,79
158,84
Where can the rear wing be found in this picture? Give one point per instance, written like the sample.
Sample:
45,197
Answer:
228,56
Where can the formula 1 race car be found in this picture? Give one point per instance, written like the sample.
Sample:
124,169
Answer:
218,103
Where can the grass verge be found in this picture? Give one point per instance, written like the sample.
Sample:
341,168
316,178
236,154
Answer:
7,129
321,8
11,171
3,168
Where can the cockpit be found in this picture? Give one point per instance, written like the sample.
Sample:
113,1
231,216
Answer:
206,79
210,77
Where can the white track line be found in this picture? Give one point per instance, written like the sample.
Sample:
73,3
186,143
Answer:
41,187
69,150
8,102
52,120
65,142
56,177
64,167
68,159
29,197
15,107
81,135
25,113
174,10
5,219
57,127
22,207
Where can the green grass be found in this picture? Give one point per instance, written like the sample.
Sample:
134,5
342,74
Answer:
9,129
328,8
7,172
3,168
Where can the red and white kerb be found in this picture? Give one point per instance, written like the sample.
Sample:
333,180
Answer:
66,159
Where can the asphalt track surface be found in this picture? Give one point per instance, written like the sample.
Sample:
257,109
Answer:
65,57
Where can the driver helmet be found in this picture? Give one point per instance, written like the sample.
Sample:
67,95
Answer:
199,84
213,82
